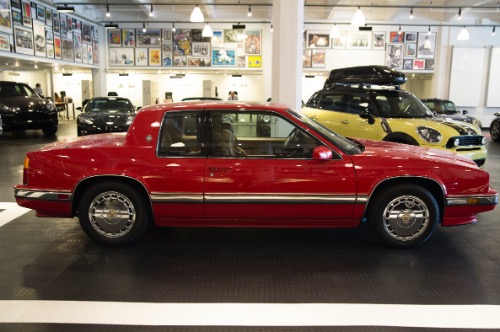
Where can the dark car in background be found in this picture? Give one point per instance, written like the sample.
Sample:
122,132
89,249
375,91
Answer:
105,115
495,128
22,108
447,109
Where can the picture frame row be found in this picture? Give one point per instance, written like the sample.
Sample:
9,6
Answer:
155,57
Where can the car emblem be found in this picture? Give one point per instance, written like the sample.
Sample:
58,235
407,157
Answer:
149,138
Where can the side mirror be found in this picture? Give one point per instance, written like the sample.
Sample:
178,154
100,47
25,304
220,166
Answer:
465,112
365,114
79,108
322,153
139,107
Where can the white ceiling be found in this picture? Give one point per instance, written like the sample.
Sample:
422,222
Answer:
132,14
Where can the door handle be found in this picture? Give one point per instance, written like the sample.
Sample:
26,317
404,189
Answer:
345,122
213,170
314,117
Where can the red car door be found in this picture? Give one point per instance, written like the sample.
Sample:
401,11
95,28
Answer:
271,179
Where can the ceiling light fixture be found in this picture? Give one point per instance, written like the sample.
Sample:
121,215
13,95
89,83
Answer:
273,29
173,26
411,13
399,30
459,13
429,30
197,15
463,35
144,27
249,10
66,9
207,31
108,14
151,12
335,32
359,18
493,31
111,26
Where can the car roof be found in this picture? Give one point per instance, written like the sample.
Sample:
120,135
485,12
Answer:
437,100
110,98
201,105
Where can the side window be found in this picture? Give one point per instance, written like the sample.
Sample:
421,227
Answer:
332,102
259,135
354,104
180,135
383,106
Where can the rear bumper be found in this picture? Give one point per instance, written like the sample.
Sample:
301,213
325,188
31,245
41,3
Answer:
45,203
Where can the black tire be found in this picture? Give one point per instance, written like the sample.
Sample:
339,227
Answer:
49,131
79,131
495,130
404,216
113,213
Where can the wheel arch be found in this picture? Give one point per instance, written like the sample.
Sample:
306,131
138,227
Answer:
429,184
86,183
400,137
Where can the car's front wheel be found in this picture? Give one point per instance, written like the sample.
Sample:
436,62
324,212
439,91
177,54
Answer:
113,213
404,216
49,131
495,130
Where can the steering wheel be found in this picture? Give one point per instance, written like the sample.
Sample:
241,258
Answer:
293,138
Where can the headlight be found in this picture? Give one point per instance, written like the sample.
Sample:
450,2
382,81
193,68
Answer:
429,135
85,120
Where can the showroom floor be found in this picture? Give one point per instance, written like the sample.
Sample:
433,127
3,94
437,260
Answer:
53,278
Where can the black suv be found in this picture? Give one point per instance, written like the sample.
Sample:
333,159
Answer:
22,108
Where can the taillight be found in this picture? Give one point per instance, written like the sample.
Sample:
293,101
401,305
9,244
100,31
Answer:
25,170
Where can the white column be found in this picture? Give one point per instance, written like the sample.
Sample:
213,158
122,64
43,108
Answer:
288,22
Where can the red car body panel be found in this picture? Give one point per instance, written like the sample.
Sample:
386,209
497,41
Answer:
195,191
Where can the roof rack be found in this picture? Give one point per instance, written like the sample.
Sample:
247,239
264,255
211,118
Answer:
363,76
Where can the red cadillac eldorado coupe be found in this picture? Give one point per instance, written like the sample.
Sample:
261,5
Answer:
214,164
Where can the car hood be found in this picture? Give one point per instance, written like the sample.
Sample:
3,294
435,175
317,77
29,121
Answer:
392,153
109,118
22,104
463,128
457,117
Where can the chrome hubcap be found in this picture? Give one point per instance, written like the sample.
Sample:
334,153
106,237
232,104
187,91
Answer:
112,214
406,218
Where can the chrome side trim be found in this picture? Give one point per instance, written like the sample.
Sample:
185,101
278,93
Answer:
176,198
472,200
43,195
257,198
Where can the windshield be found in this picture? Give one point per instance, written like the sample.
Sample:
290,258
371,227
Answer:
442,107
10,89
401,104
347,145
110,105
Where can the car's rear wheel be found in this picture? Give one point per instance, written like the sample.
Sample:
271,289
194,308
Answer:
49,131
495,131
113,213
404,216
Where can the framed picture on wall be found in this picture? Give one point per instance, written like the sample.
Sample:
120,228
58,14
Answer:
217,39
426,45
167,47
121,56
410,37
17,18
254,61
180,61
223,57
196,36
339,43
152,37
50,51
5,16
193,62
241,61
379,40
307,58
155,57
410,50
56,24
95,52
4,42
167,59
57,47
77,44
407,64
205,62
40,12
87,33
359,40
68,49
15,4
419,64
318,39
429,64
141,56
396,37
128,37
394,55
90,54
114,37
253,42
85,54
201,49
48,17
27,17
24,40
166,35
39,38
318,58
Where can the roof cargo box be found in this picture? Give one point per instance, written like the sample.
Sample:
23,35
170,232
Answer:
378,75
